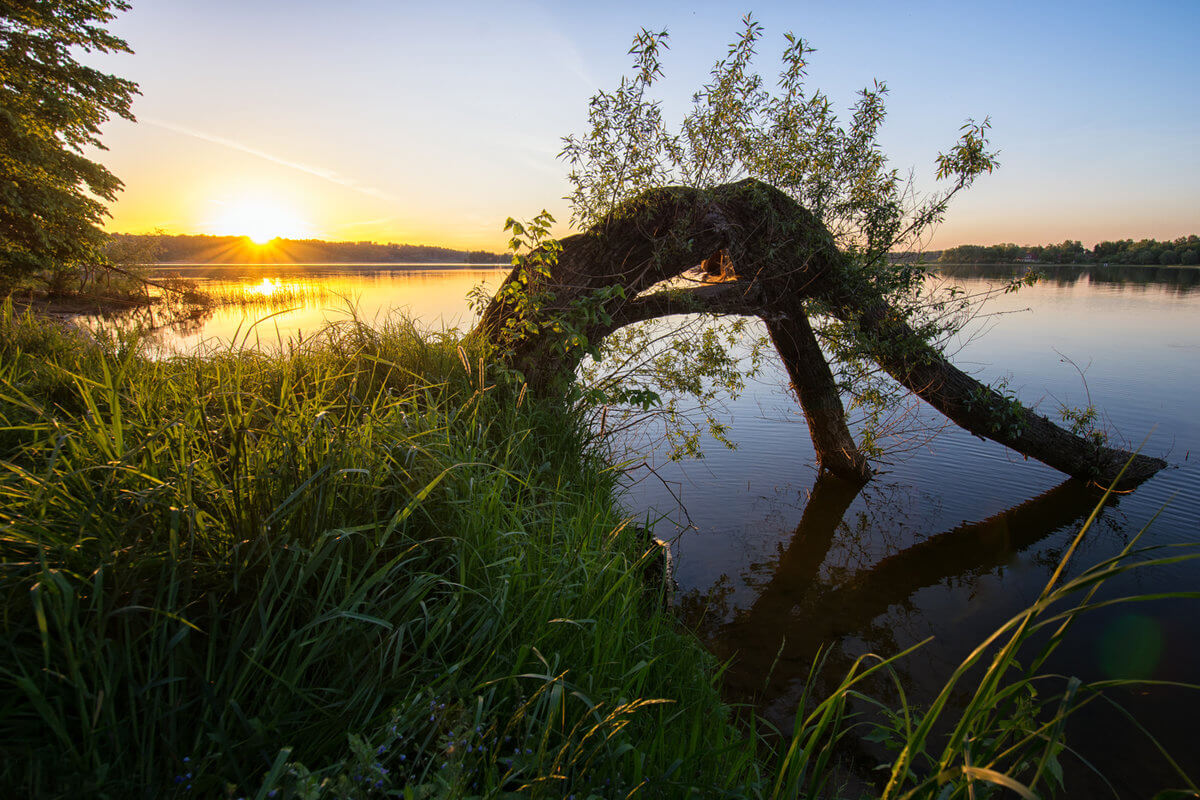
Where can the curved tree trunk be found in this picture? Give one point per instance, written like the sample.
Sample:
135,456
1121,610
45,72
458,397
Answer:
782,255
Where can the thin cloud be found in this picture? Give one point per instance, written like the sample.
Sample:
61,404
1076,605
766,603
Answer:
319,172
362,222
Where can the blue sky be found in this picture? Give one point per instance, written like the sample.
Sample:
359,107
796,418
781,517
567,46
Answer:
426,122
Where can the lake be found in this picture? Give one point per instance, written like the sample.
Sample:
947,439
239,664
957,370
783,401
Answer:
955,535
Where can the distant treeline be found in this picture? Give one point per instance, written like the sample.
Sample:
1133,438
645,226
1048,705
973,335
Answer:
1184,250
159,248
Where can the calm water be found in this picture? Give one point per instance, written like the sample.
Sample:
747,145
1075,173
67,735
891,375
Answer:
950,541
292,300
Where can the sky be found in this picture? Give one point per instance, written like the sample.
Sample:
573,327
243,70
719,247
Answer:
432,123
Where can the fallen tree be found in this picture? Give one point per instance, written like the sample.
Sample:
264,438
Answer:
763,204
620,272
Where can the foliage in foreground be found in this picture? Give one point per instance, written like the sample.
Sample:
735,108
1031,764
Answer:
356,569
346,556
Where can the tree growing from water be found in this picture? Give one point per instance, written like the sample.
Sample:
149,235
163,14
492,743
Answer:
763,204
52,197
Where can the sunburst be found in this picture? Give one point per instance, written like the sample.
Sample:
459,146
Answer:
260,220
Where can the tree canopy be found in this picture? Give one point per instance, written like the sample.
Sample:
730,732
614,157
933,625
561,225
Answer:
1183,250
793,214
52,197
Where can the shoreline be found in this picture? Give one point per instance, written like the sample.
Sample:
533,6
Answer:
380,265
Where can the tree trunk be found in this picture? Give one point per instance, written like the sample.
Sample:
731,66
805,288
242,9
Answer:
988,414
781,255
812,380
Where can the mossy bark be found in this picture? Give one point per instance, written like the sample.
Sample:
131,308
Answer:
781,257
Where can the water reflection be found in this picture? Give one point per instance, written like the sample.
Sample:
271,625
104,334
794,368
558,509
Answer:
264,305
1176,280
807,602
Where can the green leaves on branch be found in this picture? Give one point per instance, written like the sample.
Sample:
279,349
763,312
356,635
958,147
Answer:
534,309
969,158
789,135
52,198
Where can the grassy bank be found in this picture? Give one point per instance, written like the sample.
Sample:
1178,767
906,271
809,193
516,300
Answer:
343,556
355,568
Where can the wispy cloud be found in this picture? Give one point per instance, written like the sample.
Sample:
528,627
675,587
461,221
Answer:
360,223
308,169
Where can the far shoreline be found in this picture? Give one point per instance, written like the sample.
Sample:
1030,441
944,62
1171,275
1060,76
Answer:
211,265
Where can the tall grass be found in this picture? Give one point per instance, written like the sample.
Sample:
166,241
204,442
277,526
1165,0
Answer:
354,550
354,568
999,721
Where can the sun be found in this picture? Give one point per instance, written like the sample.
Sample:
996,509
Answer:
259,219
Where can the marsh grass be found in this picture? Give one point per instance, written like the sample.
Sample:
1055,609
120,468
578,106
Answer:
270,295
353,567
209,560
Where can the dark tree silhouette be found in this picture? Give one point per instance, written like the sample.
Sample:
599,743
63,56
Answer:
782,258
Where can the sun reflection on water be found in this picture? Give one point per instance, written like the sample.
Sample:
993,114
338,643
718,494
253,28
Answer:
265,288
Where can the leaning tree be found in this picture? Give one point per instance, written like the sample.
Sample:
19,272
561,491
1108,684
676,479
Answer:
763,204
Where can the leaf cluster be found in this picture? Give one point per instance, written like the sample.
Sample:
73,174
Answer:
52,197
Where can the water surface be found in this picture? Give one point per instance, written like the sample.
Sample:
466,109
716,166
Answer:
960,534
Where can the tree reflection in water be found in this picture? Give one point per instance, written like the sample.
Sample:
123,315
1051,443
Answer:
809,604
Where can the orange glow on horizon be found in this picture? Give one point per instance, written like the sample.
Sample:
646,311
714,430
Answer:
260,219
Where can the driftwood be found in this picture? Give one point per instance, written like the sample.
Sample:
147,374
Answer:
781,256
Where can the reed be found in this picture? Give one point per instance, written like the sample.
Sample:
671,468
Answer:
269,295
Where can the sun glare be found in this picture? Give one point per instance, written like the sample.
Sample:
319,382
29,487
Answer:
267,288
259,220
